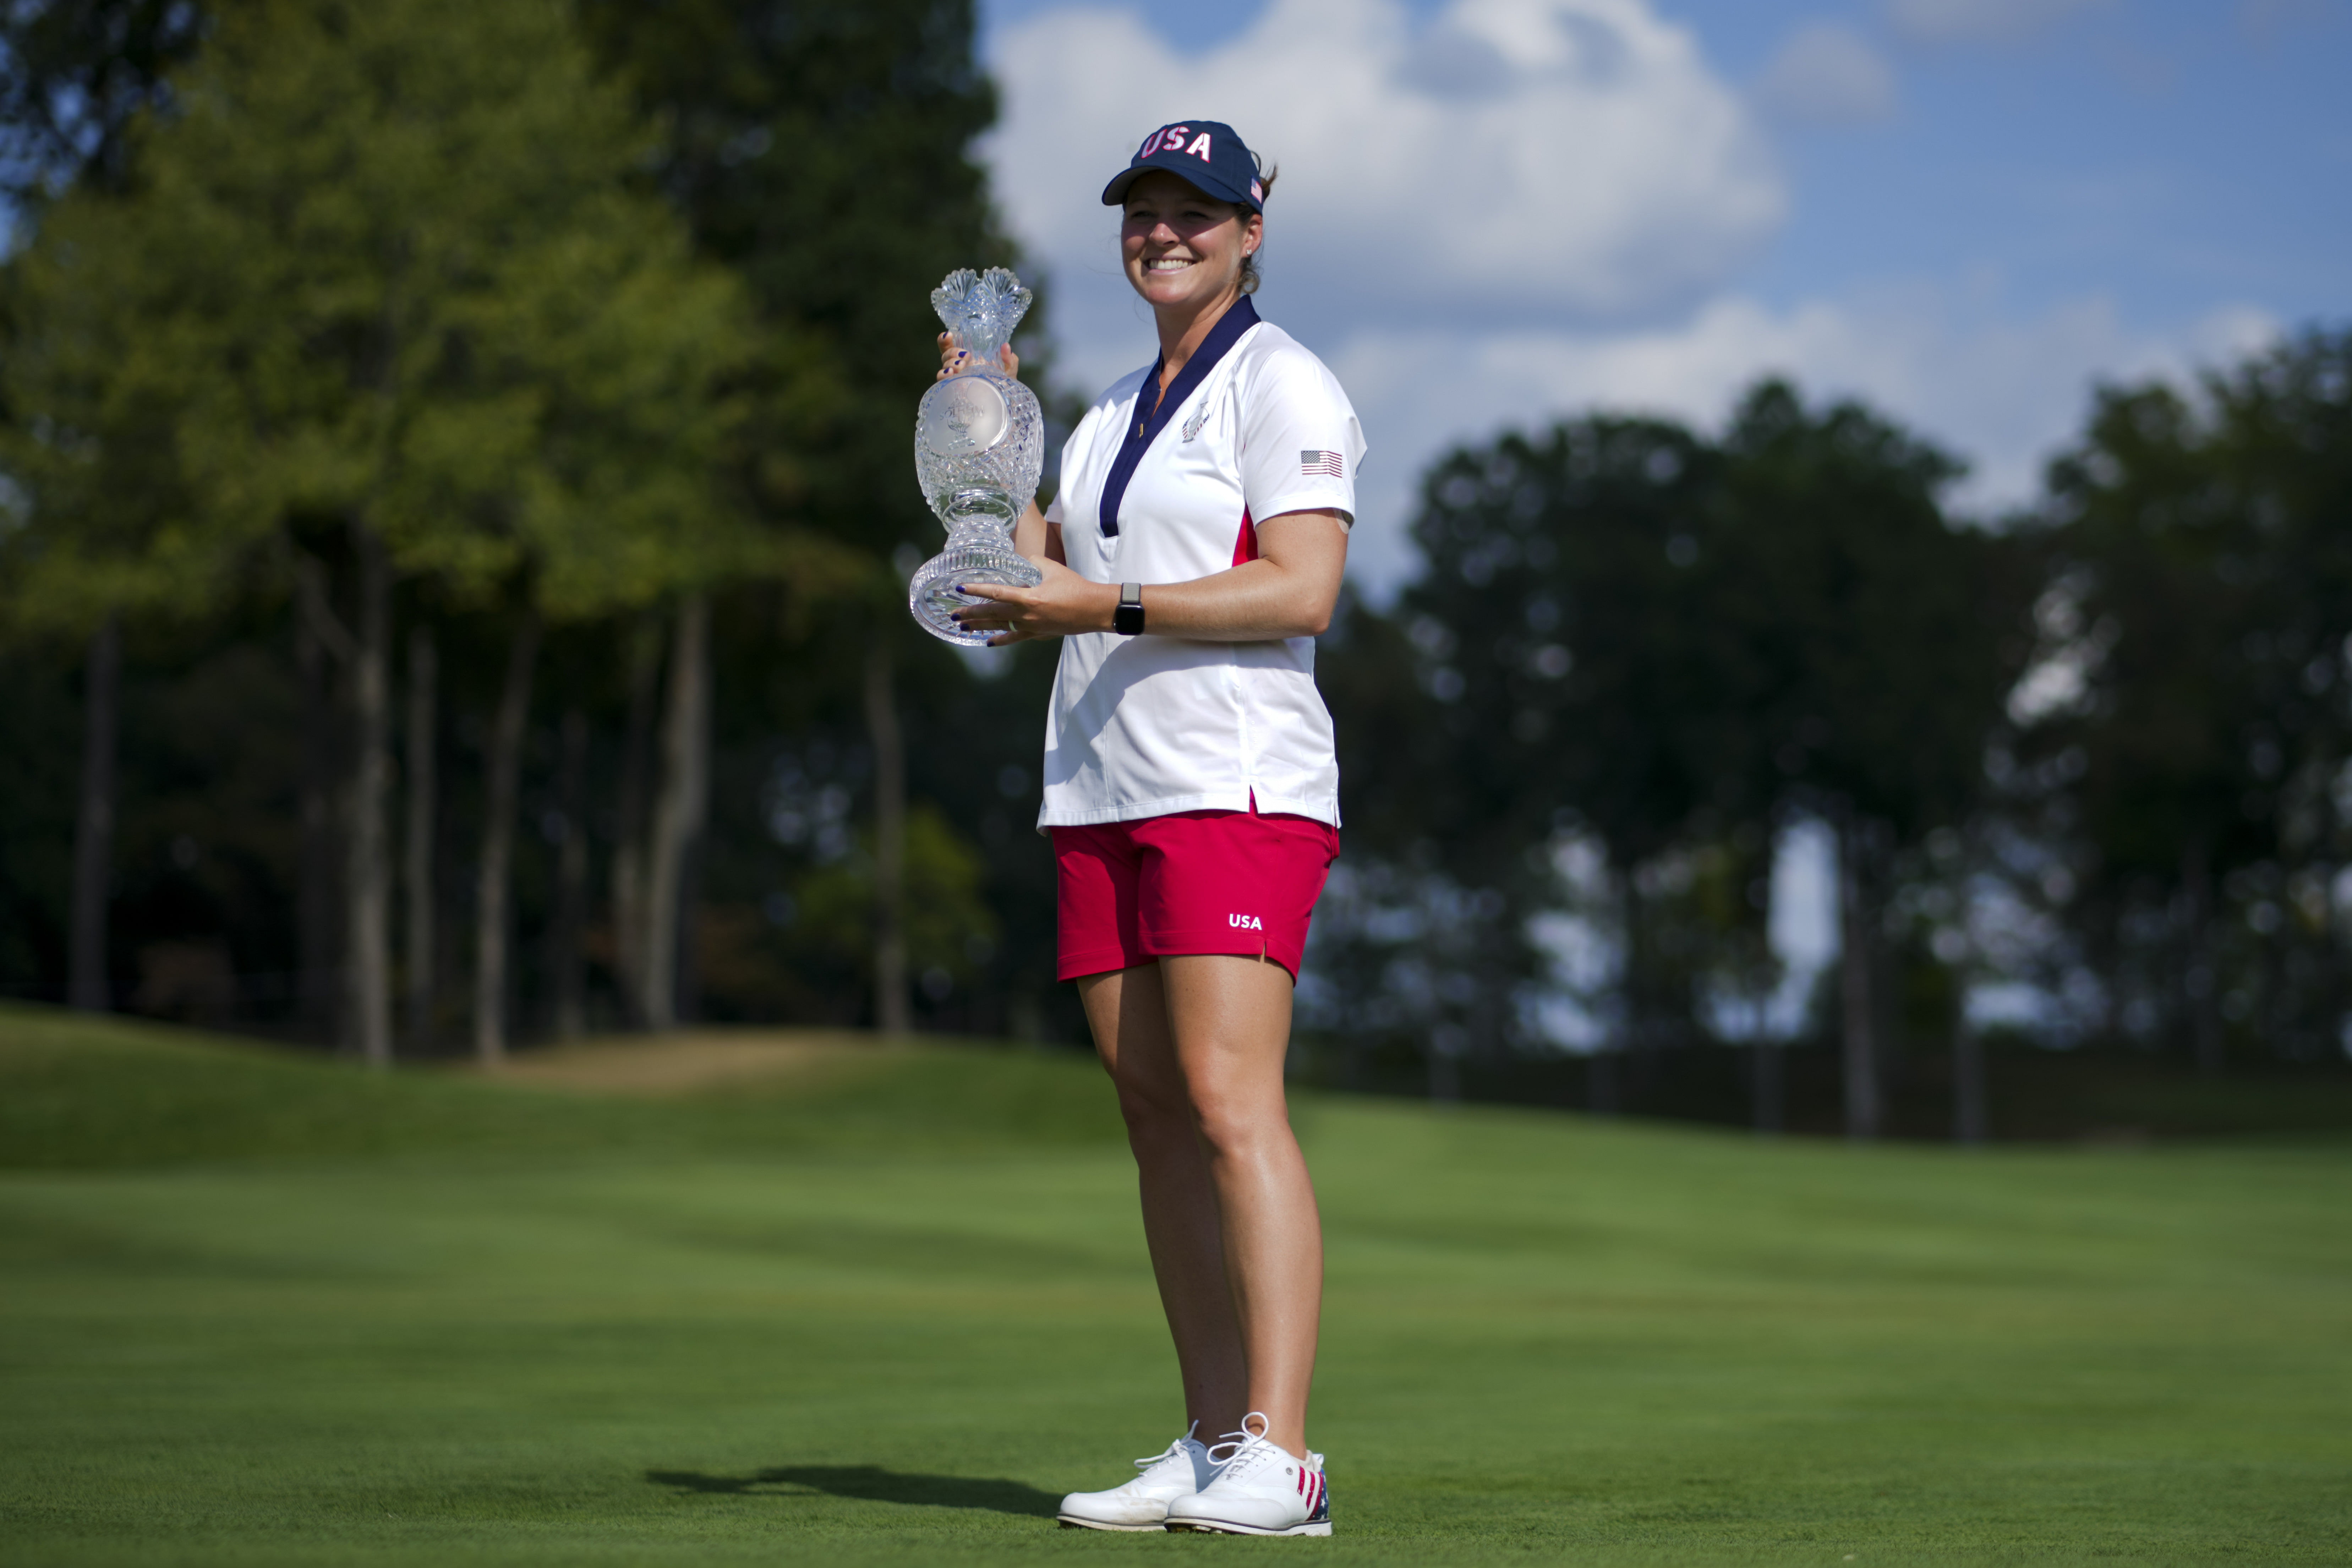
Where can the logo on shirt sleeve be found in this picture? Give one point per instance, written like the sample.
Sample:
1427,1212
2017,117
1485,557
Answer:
1323,465
1244,922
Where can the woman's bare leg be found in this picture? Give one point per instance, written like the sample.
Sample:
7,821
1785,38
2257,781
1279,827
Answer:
1229,1019
1128,1011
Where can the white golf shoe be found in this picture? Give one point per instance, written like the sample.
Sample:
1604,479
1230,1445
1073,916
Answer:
1262,1488
1181,1469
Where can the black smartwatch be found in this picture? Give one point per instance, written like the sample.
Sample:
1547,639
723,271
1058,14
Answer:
1127,619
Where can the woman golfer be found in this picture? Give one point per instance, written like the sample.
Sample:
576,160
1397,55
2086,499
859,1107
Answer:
1192,555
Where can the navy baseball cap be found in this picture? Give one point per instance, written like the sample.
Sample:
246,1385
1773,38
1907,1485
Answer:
1208,154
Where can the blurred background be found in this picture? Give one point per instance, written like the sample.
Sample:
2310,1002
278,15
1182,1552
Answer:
1850,616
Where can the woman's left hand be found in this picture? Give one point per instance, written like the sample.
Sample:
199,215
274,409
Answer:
1063,603
951,359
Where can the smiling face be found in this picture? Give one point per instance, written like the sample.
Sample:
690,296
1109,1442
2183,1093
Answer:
1182,248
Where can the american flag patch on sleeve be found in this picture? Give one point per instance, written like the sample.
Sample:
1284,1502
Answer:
1324,464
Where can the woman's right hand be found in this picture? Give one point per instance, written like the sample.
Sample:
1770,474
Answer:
951,359
1063,603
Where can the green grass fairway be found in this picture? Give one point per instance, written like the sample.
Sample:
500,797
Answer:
887,1306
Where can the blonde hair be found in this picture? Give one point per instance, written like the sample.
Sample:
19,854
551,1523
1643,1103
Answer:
1251,278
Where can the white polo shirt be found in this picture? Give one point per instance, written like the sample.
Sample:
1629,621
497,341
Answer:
1255,426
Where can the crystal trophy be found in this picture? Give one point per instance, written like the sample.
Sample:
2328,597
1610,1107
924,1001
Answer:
979,445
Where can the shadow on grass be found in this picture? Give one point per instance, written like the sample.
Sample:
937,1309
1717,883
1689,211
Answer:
870,1483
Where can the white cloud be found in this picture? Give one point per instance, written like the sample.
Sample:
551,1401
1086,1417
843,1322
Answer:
1530,209
1560,160
2000,393
1978,21
1826,75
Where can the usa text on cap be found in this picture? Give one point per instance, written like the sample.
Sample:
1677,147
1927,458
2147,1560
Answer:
1204,152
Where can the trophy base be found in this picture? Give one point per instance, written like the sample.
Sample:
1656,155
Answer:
932,598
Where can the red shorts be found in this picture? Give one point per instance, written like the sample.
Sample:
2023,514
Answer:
1195,881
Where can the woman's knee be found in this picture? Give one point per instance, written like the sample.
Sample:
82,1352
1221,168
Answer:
1236,1119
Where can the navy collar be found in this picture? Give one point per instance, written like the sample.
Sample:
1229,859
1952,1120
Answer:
1147,424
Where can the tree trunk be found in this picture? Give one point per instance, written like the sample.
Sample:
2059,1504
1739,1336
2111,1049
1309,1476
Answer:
1885,988
1444,1070
2201,977
423,780
1622,1082
93,863
1600,1090
565,975
688,1007
1769,1086
679,809
1488,1044
891,1013
1968,1120
367,881
633,832
490,894
1857,927
319,942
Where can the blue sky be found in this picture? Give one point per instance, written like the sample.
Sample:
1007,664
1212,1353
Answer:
1967,211
2175,156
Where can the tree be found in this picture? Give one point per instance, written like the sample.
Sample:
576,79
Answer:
2190,706
1867,669
418,832
1670,646
73,73
1569,685
386,279
823,151
76,555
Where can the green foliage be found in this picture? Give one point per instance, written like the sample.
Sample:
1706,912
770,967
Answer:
809,952
945,909
418,263
821,149
1544,1339
1648,630
2203,578
1865,632
383,264
98,513
1556,632
2196,635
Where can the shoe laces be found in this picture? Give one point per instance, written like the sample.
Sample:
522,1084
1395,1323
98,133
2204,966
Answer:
1238,1453
1173,1451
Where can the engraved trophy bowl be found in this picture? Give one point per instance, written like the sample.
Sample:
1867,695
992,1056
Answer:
980,445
